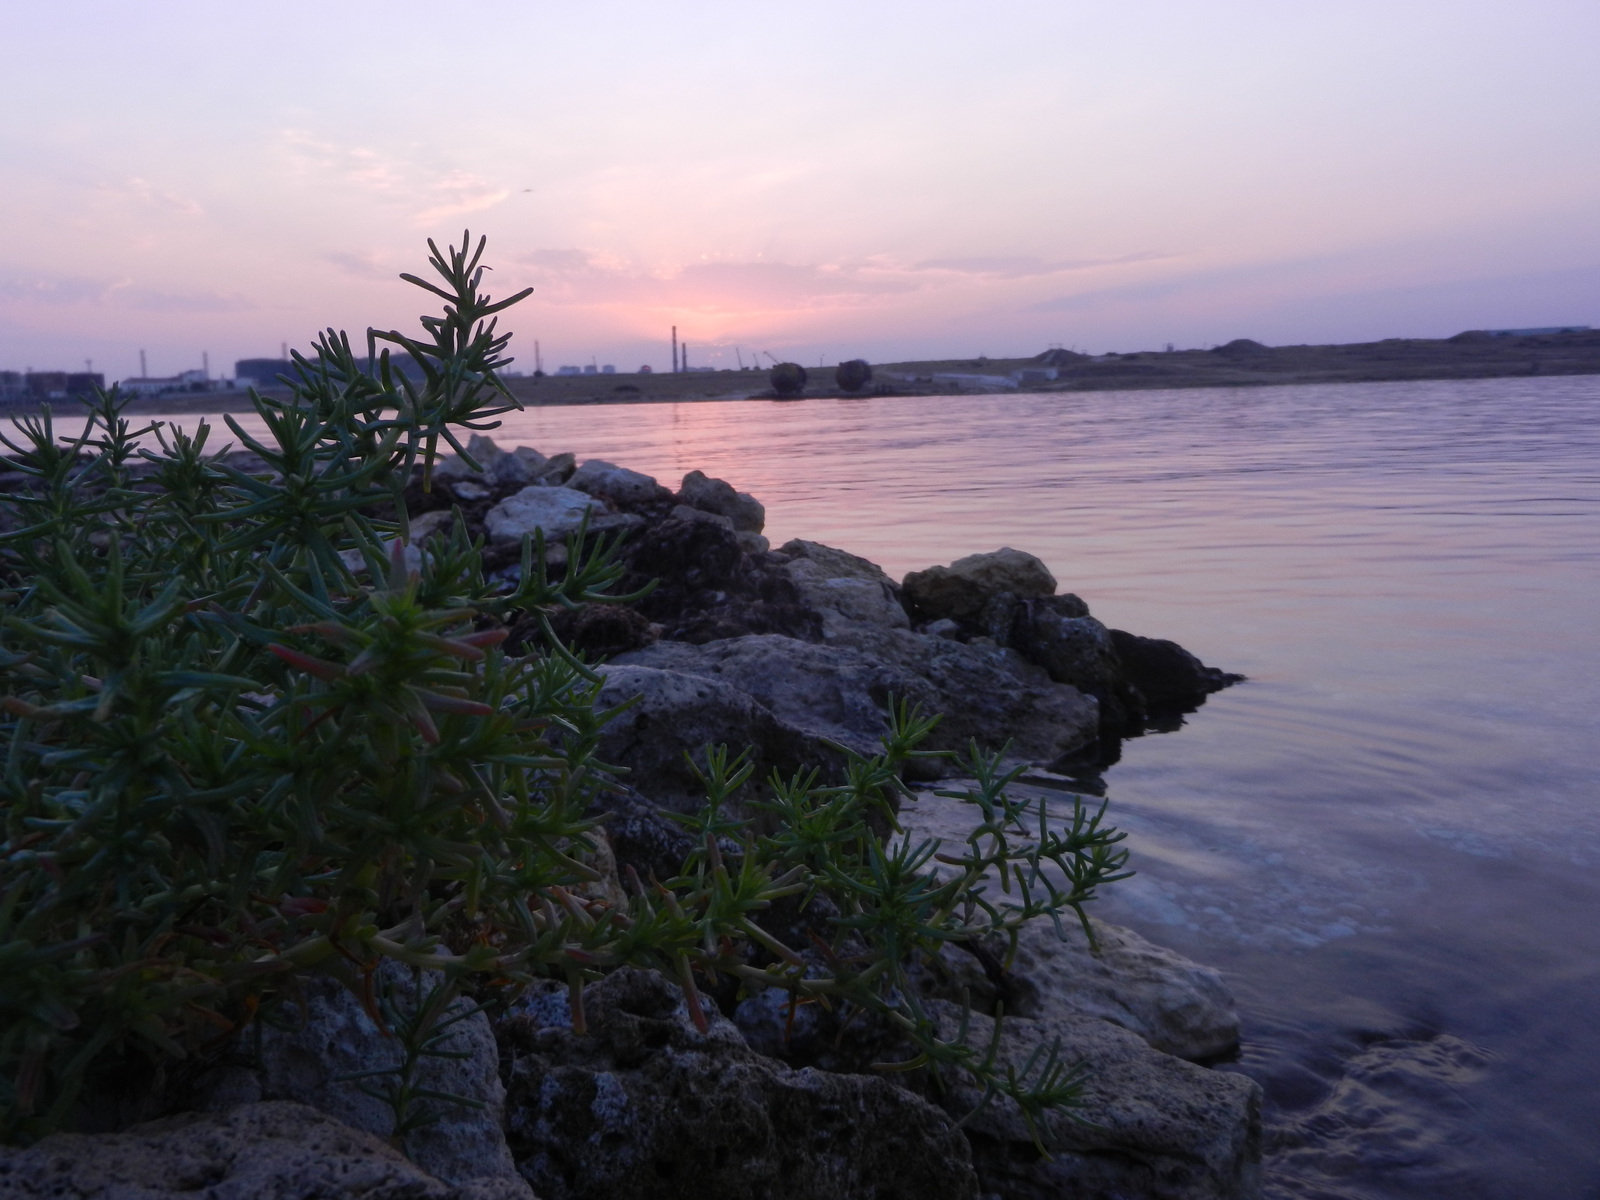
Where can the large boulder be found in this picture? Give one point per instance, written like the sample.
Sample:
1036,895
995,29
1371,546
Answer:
1167,675
828,692
673,712
986,692
557,510
1149,1124
273,1150
624,488
718,496
842,588
328,1035
841,690
1074,649
645,1107
960,590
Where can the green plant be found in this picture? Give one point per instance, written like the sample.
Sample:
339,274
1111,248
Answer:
249,733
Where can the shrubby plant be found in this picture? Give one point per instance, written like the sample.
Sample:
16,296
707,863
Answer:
247,738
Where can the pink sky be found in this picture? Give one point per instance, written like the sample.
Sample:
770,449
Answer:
890,180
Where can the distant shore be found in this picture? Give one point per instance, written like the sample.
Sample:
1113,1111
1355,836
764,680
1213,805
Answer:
1242,363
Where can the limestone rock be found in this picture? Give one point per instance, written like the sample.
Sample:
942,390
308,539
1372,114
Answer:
273,1150
826,691
617,484
1153,1125
682,512
1177,1006
842,588
677,711
512,470
961,589
644,1107
558,468
718,496
334,1036
557,510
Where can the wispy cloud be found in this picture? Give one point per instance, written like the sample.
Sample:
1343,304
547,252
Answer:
1022,267
116,293
429,194
143,192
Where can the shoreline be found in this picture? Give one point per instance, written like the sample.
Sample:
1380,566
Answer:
1241,363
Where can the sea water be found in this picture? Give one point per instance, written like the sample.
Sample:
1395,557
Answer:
1389,837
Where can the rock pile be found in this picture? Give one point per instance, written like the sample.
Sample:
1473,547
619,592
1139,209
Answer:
790,651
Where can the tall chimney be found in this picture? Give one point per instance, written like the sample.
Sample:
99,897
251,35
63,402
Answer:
674,349
205,364
144,372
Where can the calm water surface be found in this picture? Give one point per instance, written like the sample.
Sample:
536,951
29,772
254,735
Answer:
1388,838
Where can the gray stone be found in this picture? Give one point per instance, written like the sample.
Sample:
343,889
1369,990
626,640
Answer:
484,450
674,712
753,543
512,470
470,489
558,468
682,512
261,1151
536,462
557,510
843,589
617,484
1075,650
960,590
825,691
332,1035
1151,1125
423,527
718,496
452,468
645,1107
1177,1006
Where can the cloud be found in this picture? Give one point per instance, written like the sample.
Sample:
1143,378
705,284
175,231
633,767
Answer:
581,277
117,293
370,265
397,181
1002,267
144,192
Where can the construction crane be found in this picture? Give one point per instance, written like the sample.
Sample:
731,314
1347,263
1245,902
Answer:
768,353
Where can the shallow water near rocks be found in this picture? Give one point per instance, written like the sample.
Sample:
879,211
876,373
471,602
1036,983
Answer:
1389,837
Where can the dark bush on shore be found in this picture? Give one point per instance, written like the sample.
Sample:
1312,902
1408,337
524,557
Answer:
252,734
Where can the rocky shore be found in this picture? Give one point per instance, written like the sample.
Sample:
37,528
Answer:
793,651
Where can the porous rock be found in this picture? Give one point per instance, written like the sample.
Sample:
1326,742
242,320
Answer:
676,711
960,590
843,589
328,1035
1073,649
621,486
1177,1006
275,1149
645,1107
718,496
557,510
1152,1124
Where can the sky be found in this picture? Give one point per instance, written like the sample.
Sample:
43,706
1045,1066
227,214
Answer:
816,181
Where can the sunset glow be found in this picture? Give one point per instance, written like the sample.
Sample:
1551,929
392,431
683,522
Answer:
888,180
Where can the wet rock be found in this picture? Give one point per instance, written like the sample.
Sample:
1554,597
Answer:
279,1150
619,485
644,1107
328,1034
717,496
1152,1125
960,590
557,510
843,589
1166,674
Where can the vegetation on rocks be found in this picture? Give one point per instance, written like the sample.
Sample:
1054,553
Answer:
251,733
